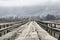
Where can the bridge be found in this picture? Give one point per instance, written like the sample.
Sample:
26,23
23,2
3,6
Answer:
30,30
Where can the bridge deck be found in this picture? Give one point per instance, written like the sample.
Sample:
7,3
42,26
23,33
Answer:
30,31
34,32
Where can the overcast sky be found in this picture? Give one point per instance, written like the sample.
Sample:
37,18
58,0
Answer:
10,3
20,3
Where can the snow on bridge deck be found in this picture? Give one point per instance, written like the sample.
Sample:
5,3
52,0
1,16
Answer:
33,32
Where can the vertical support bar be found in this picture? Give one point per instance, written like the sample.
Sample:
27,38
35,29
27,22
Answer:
54,34
0,27
59,37
7,25
51,32
5,31
54,25
3,26
0,34
48,25
48,30
51,25
8,31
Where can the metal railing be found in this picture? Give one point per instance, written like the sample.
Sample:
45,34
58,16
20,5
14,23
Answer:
51,28
11,28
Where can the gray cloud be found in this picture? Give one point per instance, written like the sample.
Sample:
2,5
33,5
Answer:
30,11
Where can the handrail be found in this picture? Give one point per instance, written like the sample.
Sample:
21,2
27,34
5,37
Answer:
48,22
50,29
11,35
10,23
10,28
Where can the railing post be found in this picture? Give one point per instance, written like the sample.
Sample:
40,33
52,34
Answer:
5,31
51,32
54,34
0,34
48,30
8,31
48,25
0,27
7,25
54,25
59,37
51,25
